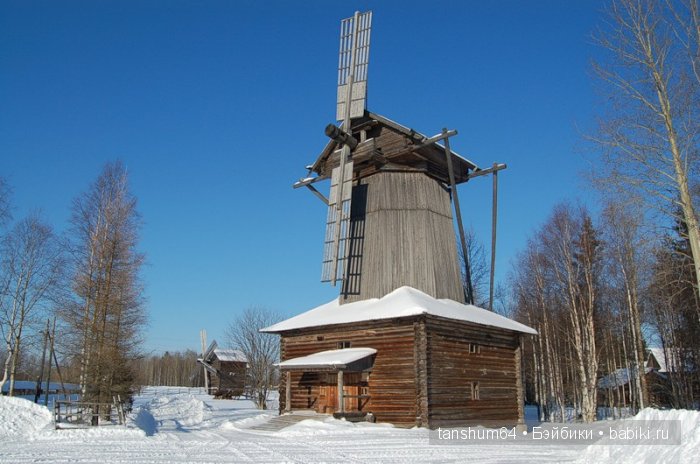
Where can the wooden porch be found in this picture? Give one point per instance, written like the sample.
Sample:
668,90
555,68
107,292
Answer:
333,387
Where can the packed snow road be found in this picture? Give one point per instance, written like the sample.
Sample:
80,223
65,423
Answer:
175,426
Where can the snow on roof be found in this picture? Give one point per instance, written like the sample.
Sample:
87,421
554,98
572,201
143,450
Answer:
331,358
618,378
230,355
663,360
402,302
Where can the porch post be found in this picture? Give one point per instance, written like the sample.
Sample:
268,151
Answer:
341,395
288,392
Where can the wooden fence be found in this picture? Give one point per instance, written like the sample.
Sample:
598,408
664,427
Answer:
77,414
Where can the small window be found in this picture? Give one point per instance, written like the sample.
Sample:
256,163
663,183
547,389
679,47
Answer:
474,348
475,390
344,344
319,338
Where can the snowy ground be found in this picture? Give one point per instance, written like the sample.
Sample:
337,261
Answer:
180,426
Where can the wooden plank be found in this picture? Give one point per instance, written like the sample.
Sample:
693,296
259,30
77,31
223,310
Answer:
408,239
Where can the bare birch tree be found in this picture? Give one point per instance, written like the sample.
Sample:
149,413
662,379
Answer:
557,290
626,248
650,137
5,191
538,307
261,350
32,266
673,307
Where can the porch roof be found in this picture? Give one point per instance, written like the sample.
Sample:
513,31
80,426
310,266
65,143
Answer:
331,359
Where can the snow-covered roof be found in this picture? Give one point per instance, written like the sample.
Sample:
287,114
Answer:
664,361
230,355
617,378
336,359
402,302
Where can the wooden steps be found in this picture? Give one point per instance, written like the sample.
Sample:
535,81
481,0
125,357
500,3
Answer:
278,423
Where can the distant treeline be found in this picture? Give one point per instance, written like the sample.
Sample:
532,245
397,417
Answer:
170,369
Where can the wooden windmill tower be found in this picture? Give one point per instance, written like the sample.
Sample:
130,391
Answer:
390,221
399,344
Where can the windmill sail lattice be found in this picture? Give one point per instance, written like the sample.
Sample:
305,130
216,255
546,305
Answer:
352,100
354,39
335,253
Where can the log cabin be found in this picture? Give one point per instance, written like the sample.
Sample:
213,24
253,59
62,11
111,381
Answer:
406,358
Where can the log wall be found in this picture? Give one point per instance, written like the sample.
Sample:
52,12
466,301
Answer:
452,367
422,373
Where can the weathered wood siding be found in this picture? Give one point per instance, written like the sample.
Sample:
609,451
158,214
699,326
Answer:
231,376
402,233
451,369
391,383
383,146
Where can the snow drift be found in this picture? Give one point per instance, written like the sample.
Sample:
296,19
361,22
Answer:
168,412
686,452
22,417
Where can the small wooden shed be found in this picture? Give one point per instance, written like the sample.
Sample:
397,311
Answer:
407,358
226,369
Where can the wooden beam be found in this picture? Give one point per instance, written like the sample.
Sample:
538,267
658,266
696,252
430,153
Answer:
429,141
308,181
288,392
317,193
483,172
341,395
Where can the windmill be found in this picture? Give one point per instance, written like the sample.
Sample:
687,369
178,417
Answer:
208,369
392,192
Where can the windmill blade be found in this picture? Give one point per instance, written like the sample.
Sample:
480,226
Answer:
353,63
337,225
208,367
203,339
207,354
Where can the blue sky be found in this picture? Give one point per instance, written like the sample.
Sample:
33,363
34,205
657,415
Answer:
216,107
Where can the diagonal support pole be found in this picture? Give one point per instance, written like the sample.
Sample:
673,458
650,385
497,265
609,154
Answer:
469,291
494,219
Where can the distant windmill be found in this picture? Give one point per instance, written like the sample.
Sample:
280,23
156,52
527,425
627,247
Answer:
208,369
389,220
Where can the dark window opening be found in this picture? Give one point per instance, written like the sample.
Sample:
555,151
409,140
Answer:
475,390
